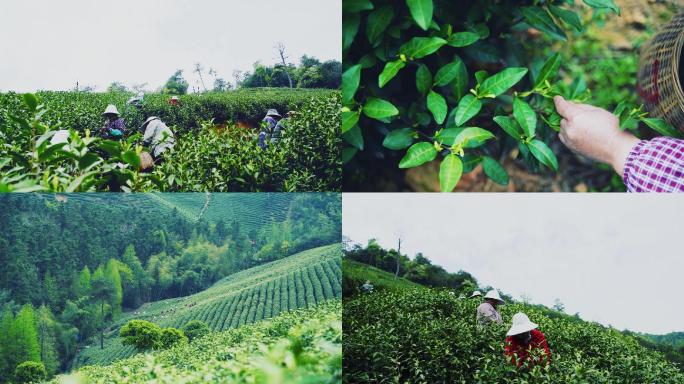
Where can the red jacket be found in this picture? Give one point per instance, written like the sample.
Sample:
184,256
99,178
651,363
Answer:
538,342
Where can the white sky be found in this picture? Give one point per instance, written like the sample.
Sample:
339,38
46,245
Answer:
616,259
49,44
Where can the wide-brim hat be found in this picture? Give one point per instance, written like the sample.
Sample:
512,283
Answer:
273,112
521,324
494,295
111,110
476,293
148,120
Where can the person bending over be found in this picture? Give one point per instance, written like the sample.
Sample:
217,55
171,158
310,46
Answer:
526,345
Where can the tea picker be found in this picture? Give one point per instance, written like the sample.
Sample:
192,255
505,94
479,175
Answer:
114,128
525,344
487,312
158,137
655,165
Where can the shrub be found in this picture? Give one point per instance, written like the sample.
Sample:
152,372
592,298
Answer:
465,82
172,336
143,335
434,338
195,329
30,372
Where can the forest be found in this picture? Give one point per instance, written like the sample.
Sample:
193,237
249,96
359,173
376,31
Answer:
73,263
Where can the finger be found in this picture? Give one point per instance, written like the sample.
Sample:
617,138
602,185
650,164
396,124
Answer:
565,108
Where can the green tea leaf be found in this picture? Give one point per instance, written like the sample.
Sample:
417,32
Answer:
354,137
351,6
461,81
399,138
463,39
350,83
549,70
423,79
603,4
473,134
468,107
450,172
480,76
525,116
349,119
543,153
377,23
568,17
475,137
437,105
350,27
419,47
391,70
131,158
447,73
540,19
661,126
379,109
421,11
31,101
502,81
418,154
494,170
348,153
510,126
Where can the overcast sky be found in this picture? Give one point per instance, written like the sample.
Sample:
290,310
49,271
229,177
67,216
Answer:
616,259
49,44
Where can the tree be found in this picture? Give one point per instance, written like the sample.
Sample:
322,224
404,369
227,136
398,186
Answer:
51,291
199,69
23,338
47,329
6,344
558,305
280,47
221,85
103,292
138,291
172,336
195,329
141,334
176,84
30,372
117,87
82,286
113,277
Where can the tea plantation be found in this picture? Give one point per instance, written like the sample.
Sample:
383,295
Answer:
423,335
216,143
302,346
303,280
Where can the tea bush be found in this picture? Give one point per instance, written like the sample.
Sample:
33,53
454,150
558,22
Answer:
303,346
208,158
429,336
462,81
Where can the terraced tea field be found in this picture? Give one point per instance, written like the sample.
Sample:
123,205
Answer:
299,281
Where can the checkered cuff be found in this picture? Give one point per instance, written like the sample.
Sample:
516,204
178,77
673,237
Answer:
655,166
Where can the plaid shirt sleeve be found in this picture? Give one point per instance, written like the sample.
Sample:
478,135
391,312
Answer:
655,166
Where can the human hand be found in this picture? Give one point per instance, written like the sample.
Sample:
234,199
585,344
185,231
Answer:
594,132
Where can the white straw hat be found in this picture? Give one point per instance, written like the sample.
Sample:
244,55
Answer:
521,324
476,294
111,109
494,294
147,121
273,112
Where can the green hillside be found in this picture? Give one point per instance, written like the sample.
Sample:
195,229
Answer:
356,273
428,335
238,206
303,346
302,280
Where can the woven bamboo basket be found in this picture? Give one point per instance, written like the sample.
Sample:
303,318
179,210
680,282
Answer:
659,78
